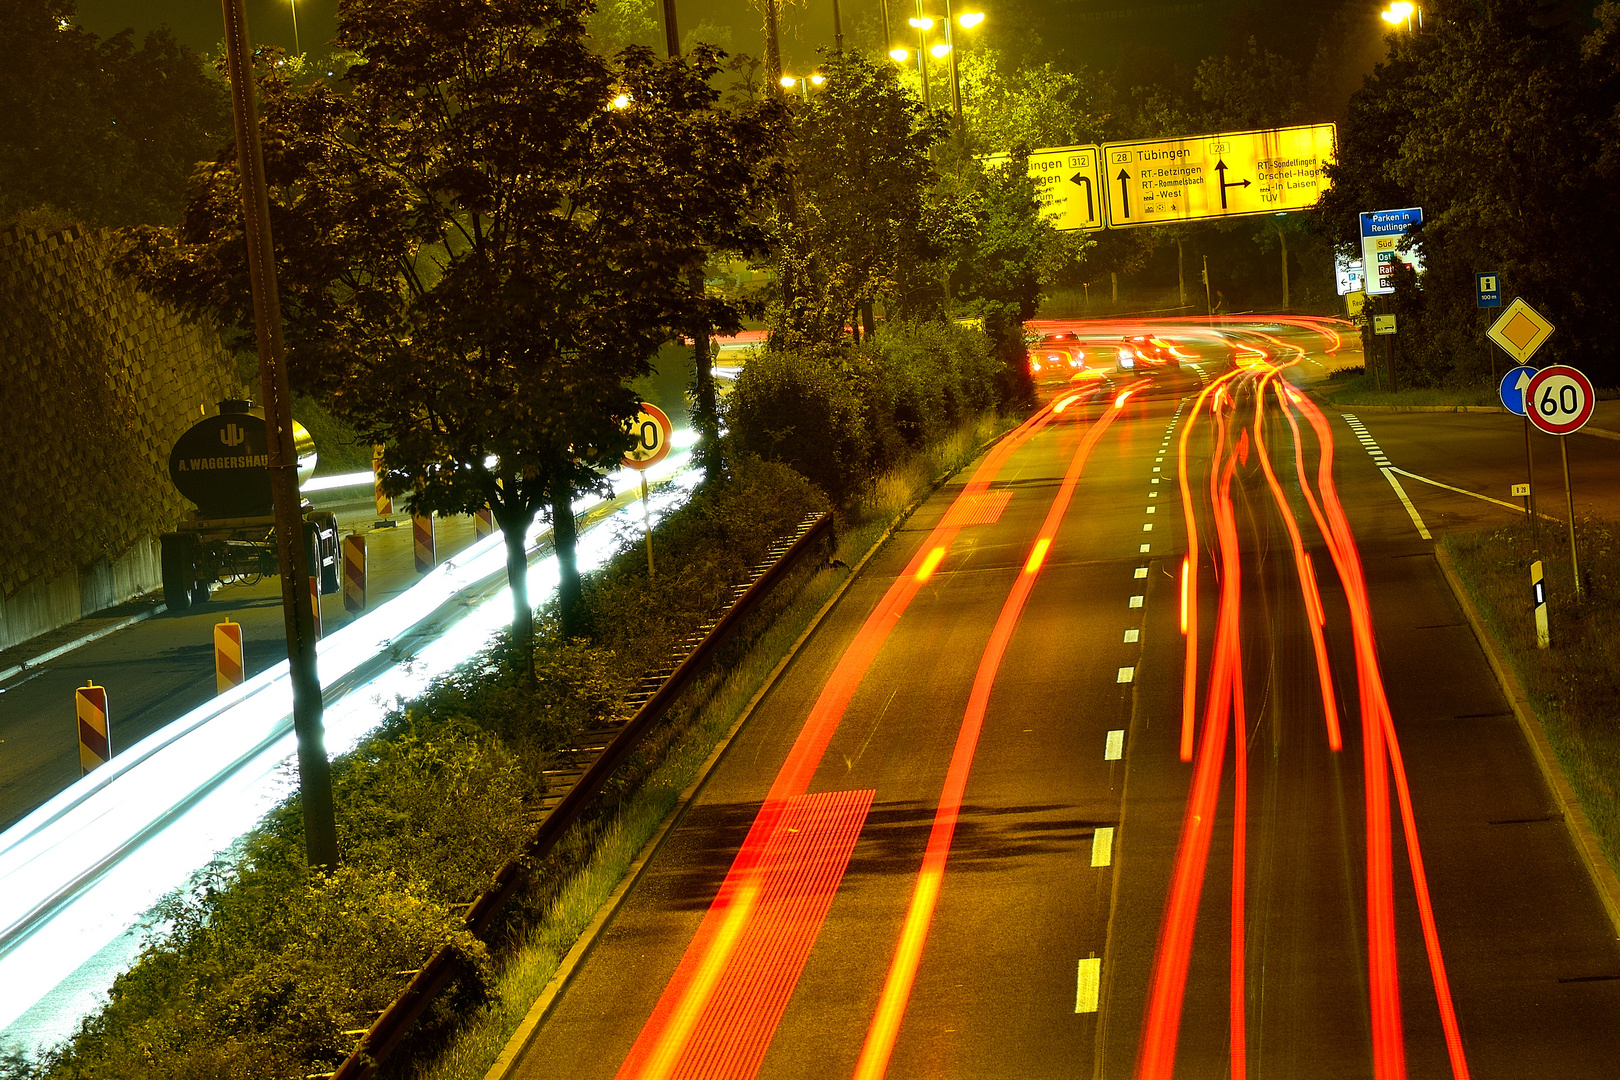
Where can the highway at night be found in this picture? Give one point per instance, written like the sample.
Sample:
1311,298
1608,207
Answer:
1153,744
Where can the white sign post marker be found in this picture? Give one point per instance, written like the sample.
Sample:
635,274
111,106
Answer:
1559,400
650,431
1538,598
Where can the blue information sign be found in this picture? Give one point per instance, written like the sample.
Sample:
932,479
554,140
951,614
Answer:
1511,391
1390,222
1488,289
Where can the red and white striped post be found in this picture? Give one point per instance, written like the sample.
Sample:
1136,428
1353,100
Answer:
354,573
385,505
95,733
228,666
483,523
426,551
315,605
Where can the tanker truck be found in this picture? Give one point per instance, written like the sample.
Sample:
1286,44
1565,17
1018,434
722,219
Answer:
220,465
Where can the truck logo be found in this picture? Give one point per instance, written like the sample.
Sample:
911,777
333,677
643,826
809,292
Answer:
232,435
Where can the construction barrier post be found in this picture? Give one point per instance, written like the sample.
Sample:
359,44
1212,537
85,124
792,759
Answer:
228,666
354,573
483,523
95,734
426,553
385,505
315,605
1538,599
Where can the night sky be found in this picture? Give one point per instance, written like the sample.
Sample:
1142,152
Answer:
1086,31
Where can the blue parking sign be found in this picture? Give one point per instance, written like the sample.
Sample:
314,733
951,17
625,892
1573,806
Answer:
1488,289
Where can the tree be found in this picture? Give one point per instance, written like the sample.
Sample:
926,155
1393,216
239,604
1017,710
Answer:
480,239
861,169
102,131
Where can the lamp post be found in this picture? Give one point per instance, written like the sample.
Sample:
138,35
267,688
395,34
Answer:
296,47
967,20
923,24
1401,11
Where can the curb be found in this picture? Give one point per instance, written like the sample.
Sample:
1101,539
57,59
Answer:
1604,879
63,650
575,956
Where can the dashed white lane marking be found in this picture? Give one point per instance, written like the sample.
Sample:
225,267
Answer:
1423,530
1155,480
1126,674
1153,494
1145,548
1141,572
1136,601
1102,845
1147,526
1114,745
1152,509
1089,987
1133,635
1157,468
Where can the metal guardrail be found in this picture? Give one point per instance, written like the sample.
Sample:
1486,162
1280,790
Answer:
651,698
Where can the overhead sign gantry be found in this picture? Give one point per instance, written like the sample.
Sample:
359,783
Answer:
1159,181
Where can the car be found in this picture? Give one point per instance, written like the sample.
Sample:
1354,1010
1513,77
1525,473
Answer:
1147,352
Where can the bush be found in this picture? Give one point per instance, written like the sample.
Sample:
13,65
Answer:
839,417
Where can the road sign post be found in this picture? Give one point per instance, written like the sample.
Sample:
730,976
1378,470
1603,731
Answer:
1559,400
651,430
1511,390
1487,296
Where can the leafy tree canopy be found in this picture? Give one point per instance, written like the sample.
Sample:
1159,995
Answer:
481,236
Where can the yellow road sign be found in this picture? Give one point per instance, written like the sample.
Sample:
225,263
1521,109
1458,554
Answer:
1156,181
1069,184
1520,330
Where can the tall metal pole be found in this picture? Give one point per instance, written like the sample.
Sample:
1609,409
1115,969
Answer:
314,772
773,49
838,30
672,36
888,37
922,56
1530,471
956,85
1569,506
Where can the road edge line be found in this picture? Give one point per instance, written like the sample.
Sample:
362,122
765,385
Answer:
571,961
1604,880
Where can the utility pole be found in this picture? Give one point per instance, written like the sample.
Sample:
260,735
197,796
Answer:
314,772
838,31
672,36
773,48
1181,273
888,38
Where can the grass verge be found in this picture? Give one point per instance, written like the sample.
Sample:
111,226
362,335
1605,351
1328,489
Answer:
471,1052
1355,386
1574,686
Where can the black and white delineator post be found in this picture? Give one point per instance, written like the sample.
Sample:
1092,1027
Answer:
1538,595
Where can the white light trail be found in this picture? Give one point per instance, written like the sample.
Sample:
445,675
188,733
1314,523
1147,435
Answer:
77,874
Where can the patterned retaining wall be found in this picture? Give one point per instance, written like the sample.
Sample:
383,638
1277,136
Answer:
97,380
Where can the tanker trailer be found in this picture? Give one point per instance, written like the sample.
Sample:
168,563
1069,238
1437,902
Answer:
220,464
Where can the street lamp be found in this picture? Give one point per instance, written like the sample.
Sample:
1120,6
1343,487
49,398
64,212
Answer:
967,21
923,24
296,47
1401,11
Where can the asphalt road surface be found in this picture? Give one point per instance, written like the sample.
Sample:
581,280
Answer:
977,831
163,667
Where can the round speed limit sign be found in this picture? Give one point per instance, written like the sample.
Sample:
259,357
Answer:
1559,399
649,430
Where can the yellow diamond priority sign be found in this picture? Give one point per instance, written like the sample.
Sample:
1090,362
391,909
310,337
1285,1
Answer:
1520,330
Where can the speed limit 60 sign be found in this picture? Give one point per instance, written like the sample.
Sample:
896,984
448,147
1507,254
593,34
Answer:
649,430
1559,399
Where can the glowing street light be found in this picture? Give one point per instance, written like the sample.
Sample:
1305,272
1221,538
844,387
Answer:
622,101
969,20
922,24
789,82
1399,12
939,51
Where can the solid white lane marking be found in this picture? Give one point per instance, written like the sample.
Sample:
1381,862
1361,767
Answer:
1126,674
1102,846
1136,601
1460,491
1141,571
1145,548
1089,987
1423,530
1114,746
1133,635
